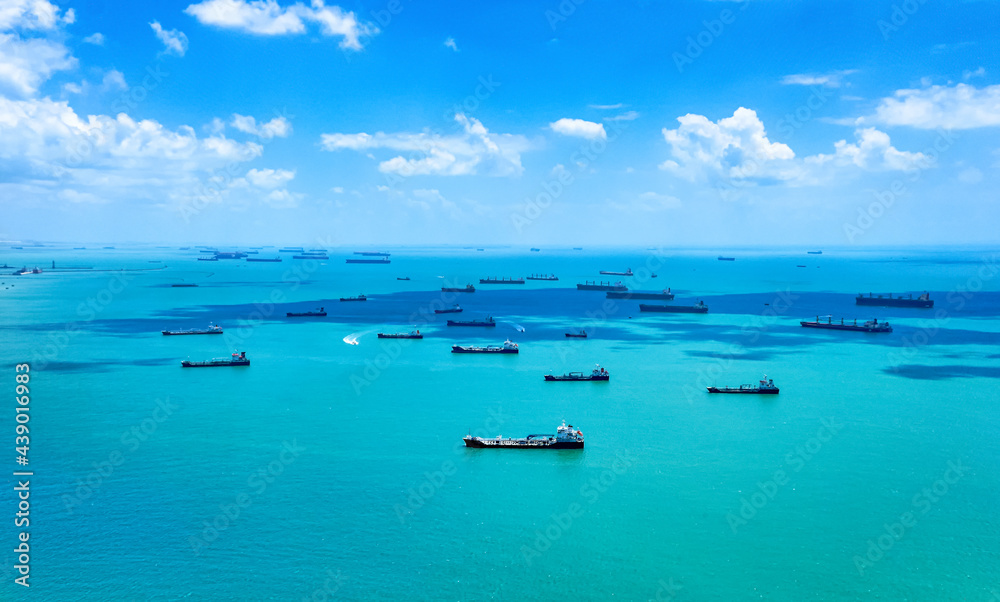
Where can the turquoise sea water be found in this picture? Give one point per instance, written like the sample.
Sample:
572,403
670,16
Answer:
327,470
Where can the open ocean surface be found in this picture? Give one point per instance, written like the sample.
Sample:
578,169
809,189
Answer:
334,471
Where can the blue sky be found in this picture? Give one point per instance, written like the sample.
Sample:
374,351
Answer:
693,123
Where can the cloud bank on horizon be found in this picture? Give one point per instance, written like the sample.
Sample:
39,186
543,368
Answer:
289,119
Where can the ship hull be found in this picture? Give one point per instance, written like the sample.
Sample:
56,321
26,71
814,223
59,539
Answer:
675,309
380,261
457,349
187,364
475,324
293,314
176,333
601,287
513,444
888,302
851,327
257,260
457,290
550,378
731,390
575,336
400,336
447,311
645,296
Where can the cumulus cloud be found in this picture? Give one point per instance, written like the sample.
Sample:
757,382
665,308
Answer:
25,64
737,149
40,15
579,128
958,107
279,127
97,39
450,43
474,150
174,41
626,116
834,79
61,155
267,17
269,178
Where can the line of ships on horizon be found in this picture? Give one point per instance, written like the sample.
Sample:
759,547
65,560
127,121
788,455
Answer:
565,437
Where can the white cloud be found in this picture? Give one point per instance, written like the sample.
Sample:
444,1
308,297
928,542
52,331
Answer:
279,127
736,146
606,107
828,80
474,150
32,15
113,81
450,43
737,149
97,39
433,200
626,116
25,64
967,75
970,175
174,41
654,201
269,178
956,107
267,17
579,128
60,155
873,151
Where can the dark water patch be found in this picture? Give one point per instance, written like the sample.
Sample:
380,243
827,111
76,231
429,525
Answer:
757,355
105,365
921,372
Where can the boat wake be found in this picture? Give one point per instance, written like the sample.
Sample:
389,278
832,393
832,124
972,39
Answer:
517,327
352,339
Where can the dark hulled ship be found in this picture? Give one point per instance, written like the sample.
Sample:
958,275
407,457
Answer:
321,312
501,281
565,438
384,260
627,272
237,359
401,335
577,335
489,322
601,286
598,374
454,289
664,295
766,387
358,298
212,329
542,277
869,326
697,308
889,300
451,310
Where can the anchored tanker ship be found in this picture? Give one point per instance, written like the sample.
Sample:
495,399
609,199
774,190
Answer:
565,438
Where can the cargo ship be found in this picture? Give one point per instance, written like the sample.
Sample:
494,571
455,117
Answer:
311,256
264,259
379,260
507,347
237,359
697,308
488,322
542,277
452,310
601,286
577,335
565,438
403,278
358,298
231,255
627,272
401,335
599,374
183,285
766,387
888,300
319,313
869,326
372,253
208,259
212,329
814,252
501,281
454,289
721,258
664,295
534,250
